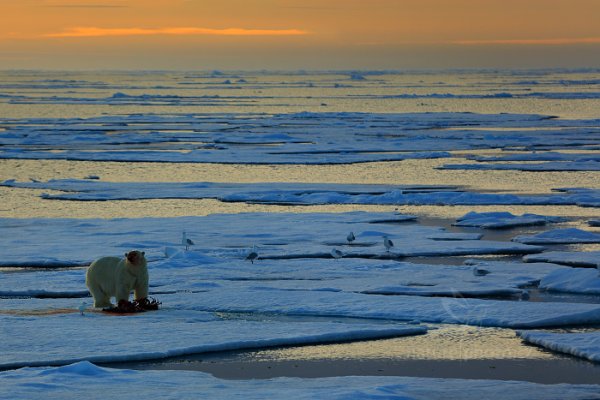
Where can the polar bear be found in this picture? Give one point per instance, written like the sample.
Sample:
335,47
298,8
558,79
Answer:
116,277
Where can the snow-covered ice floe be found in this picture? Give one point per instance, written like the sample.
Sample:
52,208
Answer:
539,156
301,193
560,236
295,138
503,220
68,242
58,336
78,380
573,280
191,271
579,344
496,313
589,259
542,166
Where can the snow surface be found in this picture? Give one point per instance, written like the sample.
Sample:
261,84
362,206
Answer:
86,380
192,271
295,138
64,336
543,166
576,259
70,242
516,314
539,156
573,280
579,344
560,236
503,220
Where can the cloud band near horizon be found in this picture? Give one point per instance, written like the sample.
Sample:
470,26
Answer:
189,31
548,42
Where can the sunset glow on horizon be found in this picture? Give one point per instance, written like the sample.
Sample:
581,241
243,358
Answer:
299,34
98,32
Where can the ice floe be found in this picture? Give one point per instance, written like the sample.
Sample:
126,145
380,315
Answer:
539,156
71,242
295,138
62,336
579,344
576,259
303,193
573,280
544,166
503,279
503,220
191,271
401,308
560,236
82,378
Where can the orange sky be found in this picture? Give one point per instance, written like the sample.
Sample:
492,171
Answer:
298,34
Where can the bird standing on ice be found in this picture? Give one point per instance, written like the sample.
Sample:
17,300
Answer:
253,255
335,253
350,238
480,271
185,241
387,243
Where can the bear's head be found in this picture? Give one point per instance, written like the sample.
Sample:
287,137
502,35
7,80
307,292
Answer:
136,258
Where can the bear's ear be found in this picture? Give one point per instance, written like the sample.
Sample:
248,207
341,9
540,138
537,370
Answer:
126,254
143,253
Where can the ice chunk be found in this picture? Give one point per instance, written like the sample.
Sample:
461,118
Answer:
583,344
174,384
576,259
503,220
572,280
64,336
559,236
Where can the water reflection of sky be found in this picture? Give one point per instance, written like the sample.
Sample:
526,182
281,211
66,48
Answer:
448,342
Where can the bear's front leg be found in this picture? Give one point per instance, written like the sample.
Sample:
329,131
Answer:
122,293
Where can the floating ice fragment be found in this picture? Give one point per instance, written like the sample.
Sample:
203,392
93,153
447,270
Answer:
560,236
581,344
503,220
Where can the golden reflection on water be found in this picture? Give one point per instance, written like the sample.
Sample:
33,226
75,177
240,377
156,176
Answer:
449,342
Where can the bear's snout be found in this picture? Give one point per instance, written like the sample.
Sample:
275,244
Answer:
134,256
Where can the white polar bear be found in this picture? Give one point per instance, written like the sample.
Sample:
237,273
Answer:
116,277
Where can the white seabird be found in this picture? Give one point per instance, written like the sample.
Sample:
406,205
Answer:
335,253
253,255
387,243
185,241
480,271
350,238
